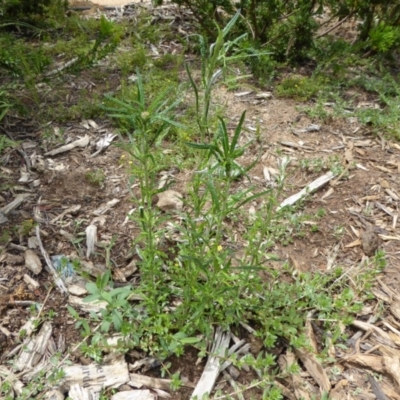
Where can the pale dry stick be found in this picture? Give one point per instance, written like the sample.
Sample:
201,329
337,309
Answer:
58,281
334,26
45,300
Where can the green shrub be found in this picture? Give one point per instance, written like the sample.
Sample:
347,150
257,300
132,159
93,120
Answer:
38,12
287,28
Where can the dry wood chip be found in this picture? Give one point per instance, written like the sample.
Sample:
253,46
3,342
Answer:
380,335
285,391
31,282
395,335
311,187
390,391
355,243
91,239
301,389
381,295
366,360
133,395
14,204
105,207
242,94
75,301
310,334
34,348
387,237
91,269
376,388
363,143
69,210
32,262
263,95
383,169
395,309
170,200
54,395
95,376
77,392
213,366
77,290
339,390
12,378
139,381
314,368
389,351
392,194
392,366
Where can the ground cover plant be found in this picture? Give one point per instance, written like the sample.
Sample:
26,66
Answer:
222,253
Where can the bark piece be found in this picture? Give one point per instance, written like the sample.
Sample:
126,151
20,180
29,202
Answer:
133,395
32,262
75,301
138,381
77,392
95,376
34,348
14,204
54,395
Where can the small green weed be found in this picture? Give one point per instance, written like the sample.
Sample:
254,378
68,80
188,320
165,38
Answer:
300,88
96,177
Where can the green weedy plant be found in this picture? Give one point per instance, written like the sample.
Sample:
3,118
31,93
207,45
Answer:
214,64
225,151
190,284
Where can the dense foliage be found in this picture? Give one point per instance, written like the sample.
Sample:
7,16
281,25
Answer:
28,11
288,27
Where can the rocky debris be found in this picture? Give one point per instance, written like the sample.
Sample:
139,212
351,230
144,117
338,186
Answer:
170,200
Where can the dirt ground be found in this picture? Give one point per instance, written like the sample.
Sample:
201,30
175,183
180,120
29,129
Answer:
363,200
